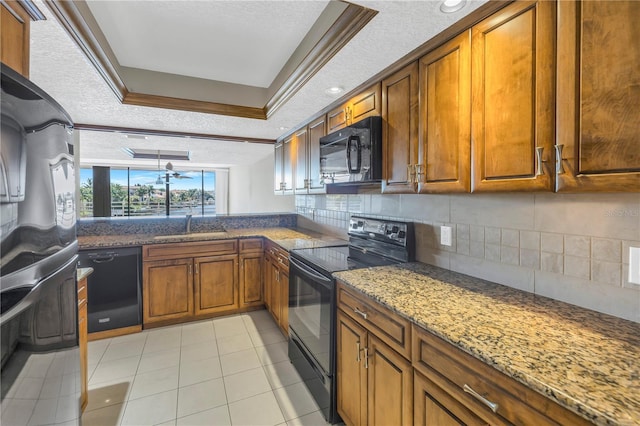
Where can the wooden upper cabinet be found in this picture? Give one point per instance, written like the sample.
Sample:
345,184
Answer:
288,164
316,130
301,181
400,130
598,117
512,83
14,43
278,171
361,106
445,118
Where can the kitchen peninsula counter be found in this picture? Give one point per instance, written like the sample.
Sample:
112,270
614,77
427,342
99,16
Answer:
287,238
585,361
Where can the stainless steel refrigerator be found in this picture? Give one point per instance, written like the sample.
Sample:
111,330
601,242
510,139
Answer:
40,379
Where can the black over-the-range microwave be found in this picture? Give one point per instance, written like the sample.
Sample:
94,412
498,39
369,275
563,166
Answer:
352,155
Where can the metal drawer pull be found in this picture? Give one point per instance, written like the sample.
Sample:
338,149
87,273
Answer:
559,159
492,405
358,311
358,351
366,357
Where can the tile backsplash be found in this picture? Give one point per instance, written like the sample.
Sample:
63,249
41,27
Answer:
571,247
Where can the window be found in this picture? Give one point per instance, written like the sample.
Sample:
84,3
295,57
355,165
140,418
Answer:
144,192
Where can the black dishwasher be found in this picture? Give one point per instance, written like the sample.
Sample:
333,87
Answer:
114,291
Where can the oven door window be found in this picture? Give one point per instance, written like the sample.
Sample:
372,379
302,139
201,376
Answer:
310,315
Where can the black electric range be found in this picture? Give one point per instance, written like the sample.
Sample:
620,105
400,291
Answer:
312,298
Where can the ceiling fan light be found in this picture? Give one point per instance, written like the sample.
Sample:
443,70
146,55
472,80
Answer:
159,180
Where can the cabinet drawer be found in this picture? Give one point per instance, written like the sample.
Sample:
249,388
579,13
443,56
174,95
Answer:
279,255
387,325
250,244
454,371
194,249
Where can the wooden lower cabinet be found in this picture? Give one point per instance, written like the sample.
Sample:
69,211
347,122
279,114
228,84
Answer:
186,281
375,383
216,283
277,285
83,342
167,290
432,406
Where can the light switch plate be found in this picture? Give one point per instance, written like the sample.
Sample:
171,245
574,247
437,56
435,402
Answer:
634,265
445,235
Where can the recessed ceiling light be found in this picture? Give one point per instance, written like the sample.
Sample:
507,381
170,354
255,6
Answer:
283,128
334,90
135,136
450,6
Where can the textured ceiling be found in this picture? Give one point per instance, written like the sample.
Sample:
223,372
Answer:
60,68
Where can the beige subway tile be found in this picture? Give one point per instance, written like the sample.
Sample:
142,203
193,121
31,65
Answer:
609,273
510,255
509,275
551,243
510,238
513,210
594,214
606,249
476,233
530,240
530,258
577,267
431,207
552,262
462,231
577,245
476,249
492,235
492,252
462,246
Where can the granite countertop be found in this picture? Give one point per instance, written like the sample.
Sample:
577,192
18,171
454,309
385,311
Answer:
83,273
287,238
586,361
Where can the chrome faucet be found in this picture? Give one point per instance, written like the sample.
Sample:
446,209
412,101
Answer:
188,224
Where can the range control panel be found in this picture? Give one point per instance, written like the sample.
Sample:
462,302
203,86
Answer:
378,229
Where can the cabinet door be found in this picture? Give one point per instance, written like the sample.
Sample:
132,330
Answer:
167,290
14,50
435,407
389,385
283,276
288,165
445,118
359,107
512,86
278,170
400,130
598,97
251,273
300,153
351,375
268,281
317,129
216,283
276,305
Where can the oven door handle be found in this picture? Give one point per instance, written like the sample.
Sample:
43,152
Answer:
310,273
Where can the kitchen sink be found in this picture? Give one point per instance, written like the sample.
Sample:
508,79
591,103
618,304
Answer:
195,235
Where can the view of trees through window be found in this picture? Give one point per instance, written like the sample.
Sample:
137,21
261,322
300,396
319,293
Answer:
143,193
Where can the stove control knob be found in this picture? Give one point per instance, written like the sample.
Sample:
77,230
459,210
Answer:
401,234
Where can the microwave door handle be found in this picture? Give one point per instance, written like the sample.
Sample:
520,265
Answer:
355,139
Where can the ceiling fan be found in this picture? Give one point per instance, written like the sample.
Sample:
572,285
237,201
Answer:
169,173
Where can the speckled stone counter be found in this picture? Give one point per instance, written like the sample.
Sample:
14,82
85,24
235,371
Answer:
83,273
287,238
586,361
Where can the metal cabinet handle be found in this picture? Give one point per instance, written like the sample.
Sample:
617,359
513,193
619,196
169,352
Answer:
359,312
418,172
366,357
540,170
278,275
492,405
411,170
189,268
559,165
196,269
358,351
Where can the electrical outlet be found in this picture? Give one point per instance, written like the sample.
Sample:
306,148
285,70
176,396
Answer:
445,235
634,265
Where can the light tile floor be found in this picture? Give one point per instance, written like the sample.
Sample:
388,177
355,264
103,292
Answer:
231,370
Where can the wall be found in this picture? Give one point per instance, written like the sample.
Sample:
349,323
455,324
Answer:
251,189
572,248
